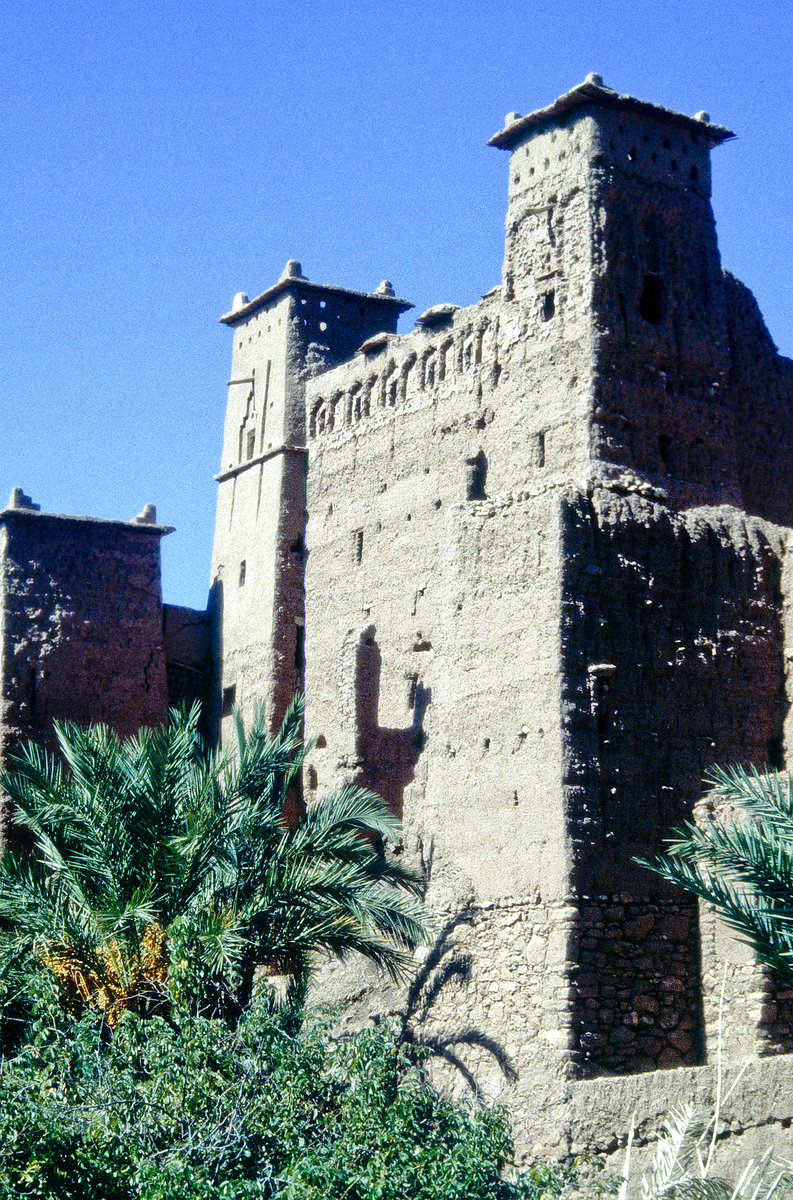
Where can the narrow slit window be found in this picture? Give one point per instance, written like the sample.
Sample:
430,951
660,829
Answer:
229,699
357,546
251,443
475,477
548,306
539,449
300,647
651,304
243,571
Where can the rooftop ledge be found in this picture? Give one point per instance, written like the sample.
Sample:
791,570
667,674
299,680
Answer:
292,277
594,92
20,505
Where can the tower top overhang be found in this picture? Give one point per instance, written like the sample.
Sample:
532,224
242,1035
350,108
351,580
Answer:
293,280
593,93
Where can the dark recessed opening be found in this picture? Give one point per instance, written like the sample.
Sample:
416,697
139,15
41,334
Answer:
298,545
357,546
243,572
475,477
776,753
300,647
548,306
229,699
539,449
651,304
311,779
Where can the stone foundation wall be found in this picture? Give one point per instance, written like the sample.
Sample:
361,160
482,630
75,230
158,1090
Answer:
637,985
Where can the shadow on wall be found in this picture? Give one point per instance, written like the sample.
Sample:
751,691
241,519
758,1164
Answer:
387,757
674,660
445,966
213,704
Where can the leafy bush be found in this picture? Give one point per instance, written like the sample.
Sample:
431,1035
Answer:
163,1111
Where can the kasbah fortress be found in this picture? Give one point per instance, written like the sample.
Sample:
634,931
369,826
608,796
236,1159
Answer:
532,566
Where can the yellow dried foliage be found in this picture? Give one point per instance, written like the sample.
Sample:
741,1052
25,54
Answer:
114,980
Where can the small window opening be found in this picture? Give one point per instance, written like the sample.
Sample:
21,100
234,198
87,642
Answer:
548,306
539,449
242,573
311,779
357,546
475,476
251,443
665,448
300,647
298,545
229,700
776,753
651,304
413,681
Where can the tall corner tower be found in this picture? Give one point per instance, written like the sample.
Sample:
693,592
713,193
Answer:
292,331
610,231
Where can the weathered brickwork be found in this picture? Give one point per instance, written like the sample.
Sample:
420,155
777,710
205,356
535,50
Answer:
81,623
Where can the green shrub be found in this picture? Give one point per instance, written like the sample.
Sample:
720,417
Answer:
163,1111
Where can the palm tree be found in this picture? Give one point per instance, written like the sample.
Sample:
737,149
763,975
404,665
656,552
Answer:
155,866
741,860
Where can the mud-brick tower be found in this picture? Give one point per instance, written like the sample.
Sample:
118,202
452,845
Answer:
546,589
287,334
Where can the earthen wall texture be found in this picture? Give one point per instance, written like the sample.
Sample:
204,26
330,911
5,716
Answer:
187,638
546,590
82,635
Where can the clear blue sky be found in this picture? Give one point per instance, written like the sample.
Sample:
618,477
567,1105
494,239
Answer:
159,157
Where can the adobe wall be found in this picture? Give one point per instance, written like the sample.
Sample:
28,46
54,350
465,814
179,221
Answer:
594,1116
432,581
432,668
673,659
82,636
187,638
